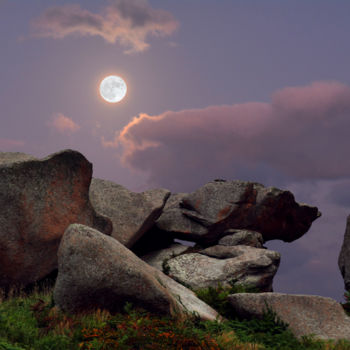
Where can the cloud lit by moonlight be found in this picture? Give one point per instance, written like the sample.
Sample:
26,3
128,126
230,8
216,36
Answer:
113,89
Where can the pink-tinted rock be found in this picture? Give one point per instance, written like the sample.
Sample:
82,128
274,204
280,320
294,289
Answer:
39,199
207,215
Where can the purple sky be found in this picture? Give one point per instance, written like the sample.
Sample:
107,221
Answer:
234,89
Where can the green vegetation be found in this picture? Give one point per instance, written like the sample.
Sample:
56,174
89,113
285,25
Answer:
32,321
217,297
270,332
346,305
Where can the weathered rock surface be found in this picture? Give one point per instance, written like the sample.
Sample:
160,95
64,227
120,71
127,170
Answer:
242,237
206,214
97,271
305,314
132,213
39,199
158,257
225,265
14,157
344,256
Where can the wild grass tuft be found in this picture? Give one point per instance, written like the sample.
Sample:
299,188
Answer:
217,297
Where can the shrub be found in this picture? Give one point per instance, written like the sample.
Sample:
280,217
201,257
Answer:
217,297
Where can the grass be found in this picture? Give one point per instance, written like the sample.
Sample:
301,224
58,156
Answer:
217,297
32,321
346,305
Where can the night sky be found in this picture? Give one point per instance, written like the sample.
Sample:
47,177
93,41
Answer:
233,89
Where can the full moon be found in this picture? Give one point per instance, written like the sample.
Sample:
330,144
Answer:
113,89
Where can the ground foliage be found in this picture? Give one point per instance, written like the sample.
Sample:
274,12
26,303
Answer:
32,321
346,305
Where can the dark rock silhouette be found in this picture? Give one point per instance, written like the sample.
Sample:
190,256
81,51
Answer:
344,256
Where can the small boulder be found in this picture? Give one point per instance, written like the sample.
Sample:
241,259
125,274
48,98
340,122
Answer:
344,256
97,271
39,199
242,237
305,314
132,213
206,214
158,257
227,266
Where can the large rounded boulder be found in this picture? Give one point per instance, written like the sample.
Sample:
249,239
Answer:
39,199
96,271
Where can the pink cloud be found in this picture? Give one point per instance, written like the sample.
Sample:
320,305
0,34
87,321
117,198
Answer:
301,134
129,22
8,144
64,124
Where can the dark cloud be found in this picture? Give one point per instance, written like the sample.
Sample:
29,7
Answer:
140,13
128,22
302,134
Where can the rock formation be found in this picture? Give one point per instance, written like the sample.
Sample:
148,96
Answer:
38,201
132,214
228,266
207,215
305,314
158,258
344,256
96,271
44,200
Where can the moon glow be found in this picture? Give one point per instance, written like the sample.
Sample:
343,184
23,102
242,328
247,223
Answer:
113,89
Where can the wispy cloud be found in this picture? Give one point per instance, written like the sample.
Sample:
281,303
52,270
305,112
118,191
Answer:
128,22
63,124
301,134
7,144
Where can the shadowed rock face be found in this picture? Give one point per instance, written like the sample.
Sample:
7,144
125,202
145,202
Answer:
39,199
158,257
97,271
207,214
132,214
344,256
305,314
